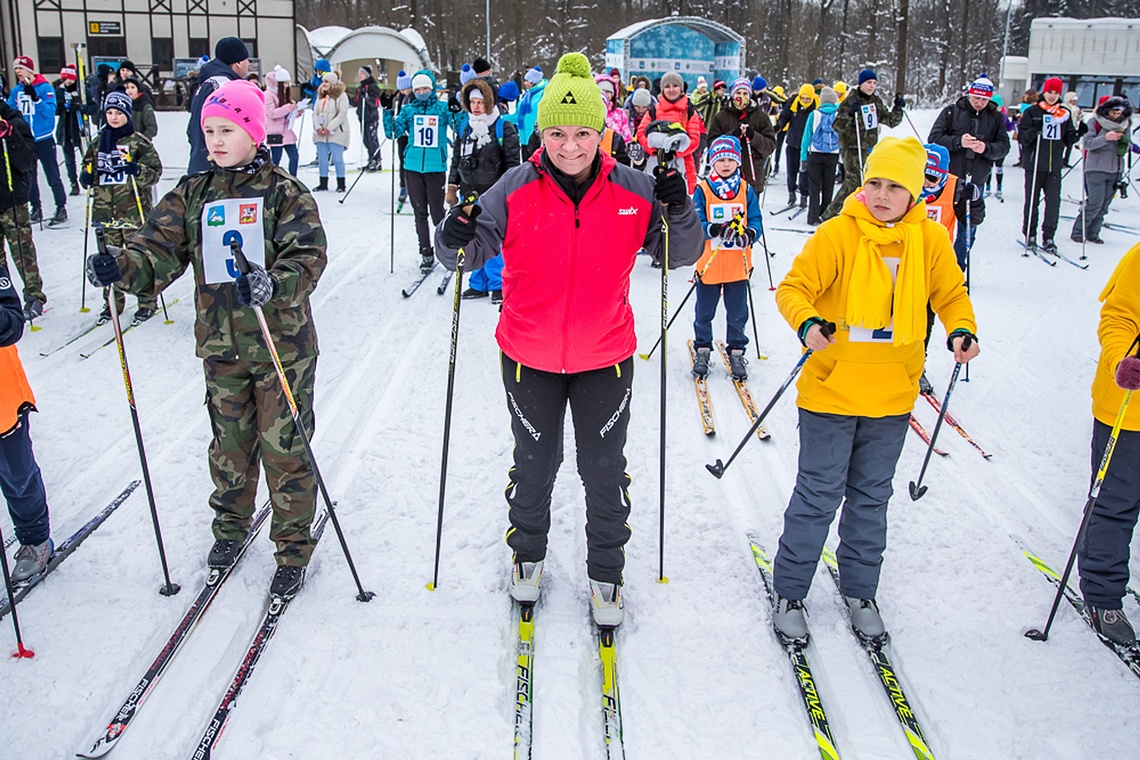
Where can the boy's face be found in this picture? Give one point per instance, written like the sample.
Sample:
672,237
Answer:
1052,96
725,166
132,90
887,201
869,86
115,118
229,144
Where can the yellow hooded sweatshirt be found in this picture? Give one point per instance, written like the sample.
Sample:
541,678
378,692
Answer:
865,373
1119,326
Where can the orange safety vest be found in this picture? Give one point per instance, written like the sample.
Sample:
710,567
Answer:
941,209
608,142
15,393
730,264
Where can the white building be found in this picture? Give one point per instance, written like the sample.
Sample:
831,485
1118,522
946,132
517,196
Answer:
1093,57
151,33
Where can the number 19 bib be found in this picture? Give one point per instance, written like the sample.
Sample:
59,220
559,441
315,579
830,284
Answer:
425,131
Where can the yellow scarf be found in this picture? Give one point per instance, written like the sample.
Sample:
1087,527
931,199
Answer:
873,297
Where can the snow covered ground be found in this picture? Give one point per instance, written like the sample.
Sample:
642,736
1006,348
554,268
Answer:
419,674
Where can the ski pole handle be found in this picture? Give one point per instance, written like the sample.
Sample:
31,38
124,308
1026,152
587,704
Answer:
100,239
239,256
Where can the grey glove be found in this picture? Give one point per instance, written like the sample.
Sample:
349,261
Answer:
256,288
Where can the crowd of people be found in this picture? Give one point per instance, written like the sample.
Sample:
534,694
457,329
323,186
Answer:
545,190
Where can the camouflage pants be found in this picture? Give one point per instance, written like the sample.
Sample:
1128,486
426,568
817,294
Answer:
16,227
250,419
119,237
852,181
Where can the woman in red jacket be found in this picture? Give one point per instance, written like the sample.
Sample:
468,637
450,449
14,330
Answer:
673,106
570,222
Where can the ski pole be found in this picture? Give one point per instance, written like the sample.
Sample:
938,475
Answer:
969,250
917,489
86,236
142,223
299,425
1043,633
1084,208
696,279
468,204
664,385
18,254
859,147
755,329
912,127
169,589
392,206
21,652
763,233
718,469
1031,201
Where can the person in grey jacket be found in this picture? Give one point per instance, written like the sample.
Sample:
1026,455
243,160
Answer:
1105,145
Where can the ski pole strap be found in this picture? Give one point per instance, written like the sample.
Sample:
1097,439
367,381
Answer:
827,328
967,340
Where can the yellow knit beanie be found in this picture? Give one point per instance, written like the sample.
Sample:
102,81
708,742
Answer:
902,161
573,99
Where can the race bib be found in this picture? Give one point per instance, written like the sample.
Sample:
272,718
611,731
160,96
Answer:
425,131
223,222
934,213
27,106
883,334
1051,127
110,167
870,117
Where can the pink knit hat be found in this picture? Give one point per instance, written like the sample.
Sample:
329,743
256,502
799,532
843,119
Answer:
243,103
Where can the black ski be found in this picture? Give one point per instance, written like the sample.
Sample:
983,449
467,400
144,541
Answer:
801,668
182,631
888,676
406,292
442,288
799,211
275,609
64,550
87,354
784,210
1130,656
1036,251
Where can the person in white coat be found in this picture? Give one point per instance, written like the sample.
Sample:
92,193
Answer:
330,129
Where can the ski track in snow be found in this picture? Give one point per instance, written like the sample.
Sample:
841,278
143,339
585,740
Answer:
429,674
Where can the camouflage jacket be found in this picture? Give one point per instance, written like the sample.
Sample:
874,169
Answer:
113,202
846,122
294,256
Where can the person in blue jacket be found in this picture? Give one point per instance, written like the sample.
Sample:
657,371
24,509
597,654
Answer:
34,97
425,120
320,68
527,114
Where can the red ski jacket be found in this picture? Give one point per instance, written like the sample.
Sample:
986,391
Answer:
566,267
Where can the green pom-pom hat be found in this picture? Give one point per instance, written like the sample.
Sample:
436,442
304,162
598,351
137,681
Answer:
572,98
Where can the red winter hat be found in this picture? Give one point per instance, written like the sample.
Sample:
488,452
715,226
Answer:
1053,84
1103,99
67,73
24,62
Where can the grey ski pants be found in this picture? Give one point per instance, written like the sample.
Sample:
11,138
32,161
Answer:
843,460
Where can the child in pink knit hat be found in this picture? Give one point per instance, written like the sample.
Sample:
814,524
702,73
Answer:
245,198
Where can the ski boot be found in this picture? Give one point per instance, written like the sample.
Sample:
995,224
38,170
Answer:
865,619
322,185
496,296
36,215
472,293
701,363
737,364
524,582
104,316
287,581
59,218
607,606
789,621
1048,246
224,553
1111,624
427,262
141,316
32,559
340,184
1030,245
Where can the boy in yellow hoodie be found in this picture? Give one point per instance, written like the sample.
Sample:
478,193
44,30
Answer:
871,270
1103,550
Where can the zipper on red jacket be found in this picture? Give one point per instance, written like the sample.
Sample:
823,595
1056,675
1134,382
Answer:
570,278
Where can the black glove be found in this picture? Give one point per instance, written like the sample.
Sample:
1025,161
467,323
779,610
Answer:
256,288
900,102
86,178
131,168
852,106
670,187
715,229
453,103
103,268
386,98
30,91
459,227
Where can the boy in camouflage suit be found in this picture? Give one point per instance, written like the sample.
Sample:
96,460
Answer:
243,197
15,223
120,168
857,122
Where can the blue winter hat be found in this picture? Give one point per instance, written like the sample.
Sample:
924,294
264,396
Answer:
866,74
725,146
508,91
937,165
466,74
403,80
817,82
118,100
759,83
322,65
534,76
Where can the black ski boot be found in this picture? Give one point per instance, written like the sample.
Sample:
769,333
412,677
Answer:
427,262
701,363
74,188
738,364
322,185
59,218
287,582
141,316
36,215
104,316
473,293
224,553
340,186
1048,246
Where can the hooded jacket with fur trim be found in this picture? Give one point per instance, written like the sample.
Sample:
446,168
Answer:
330,112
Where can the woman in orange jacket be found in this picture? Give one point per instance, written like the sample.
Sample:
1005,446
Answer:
871,270
20,479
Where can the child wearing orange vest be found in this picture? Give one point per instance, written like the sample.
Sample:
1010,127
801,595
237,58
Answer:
947,197
730,216
20,478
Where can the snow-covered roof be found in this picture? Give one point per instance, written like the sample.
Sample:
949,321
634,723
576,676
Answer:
1085,23
323,39
338,43
716,32
1100,47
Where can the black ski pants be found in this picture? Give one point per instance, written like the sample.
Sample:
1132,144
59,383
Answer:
426,192
599,407
796,179
1048,183
1103,551
821,183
